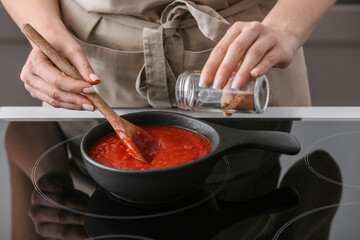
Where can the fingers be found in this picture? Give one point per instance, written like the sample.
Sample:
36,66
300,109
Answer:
54,178
249,49
80,62
253,56
54,222
277,57
217,55
230,49
45,70
48,84
40,214
39,89
59,188
59,231
78,202
236,52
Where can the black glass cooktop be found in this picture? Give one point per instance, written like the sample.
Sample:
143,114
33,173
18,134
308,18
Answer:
251,193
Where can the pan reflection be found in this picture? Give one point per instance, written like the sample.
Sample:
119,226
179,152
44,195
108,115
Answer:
164,221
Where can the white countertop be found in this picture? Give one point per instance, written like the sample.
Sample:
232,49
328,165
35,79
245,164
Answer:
293,113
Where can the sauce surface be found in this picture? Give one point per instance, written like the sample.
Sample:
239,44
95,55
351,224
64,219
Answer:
177,146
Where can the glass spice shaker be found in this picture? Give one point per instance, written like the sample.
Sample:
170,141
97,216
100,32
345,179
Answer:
252,98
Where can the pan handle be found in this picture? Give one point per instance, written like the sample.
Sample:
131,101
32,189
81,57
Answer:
275,141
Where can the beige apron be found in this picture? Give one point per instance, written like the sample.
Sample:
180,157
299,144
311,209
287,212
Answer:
138,48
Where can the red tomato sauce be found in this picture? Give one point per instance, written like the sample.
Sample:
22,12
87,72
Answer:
177,146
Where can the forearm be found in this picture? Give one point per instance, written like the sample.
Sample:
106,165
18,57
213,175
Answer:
43,15
298,18
27,141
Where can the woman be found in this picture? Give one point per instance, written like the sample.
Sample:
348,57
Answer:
128,26
138,48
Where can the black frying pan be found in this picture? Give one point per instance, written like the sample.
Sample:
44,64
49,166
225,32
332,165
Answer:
162,185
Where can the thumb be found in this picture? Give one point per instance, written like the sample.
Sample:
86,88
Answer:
80,62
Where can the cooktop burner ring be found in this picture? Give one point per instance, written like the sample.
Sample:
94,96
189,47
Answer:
327,144
117,236
315,210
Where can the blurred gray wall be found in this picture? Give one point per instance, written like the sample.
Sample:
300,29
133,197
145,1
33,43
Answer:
14,49
5,206
333,58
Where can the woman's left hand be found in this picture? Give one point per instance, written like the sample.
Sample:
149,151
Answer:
248,49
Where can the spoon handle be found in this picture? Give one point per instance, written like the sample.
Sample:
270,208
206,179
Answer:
125,130
63,65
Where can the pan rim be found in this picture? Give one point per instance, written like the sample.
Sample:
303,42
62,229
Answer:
89,160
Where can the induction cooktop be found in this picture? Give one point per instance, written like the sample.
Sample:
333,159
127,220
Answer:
313,195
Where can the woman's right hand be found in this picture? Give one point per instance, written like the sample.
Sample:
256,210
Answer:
46,83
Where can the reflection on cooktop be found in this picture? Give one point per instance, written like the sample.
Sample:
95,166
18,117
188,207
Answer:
175,220
318,196
343,146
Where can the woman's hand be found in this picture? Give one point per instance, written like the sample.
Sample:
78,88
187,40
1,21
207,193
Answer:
51,221
46,83
248,49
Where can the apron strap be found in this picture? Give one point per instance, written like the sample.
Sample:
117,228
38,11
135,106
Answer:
210,22
164,49
155,72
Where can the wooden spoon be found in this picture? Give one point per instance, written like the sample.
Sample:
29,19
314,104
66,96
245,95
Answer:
136,139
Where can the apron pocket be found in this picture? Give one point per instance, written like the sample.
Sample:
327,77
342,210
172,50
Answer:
118,71
195,60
